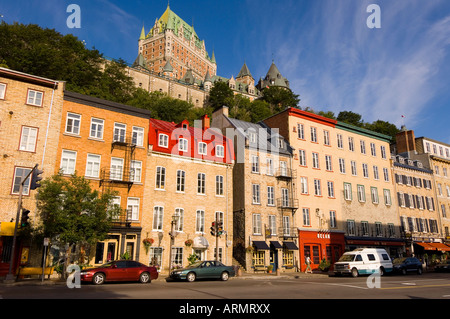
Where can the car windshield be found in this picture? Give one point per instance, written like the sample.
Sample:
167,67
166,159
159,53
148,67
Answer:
348,257
108,264
398,260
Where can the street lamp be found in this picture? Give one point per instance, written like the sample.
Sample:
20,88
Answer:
172,235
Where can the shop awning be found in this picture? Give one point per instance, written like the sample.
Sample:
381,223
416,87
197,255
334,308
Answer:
261,245
200,242
7,228
426,246
441,246
289,245
276,245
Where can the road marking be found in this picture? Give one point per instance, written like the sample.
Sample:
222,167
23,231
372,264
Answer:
424,286
409,283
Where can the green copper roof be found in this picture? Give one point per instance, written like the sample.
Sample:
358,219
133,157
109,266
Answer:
244,72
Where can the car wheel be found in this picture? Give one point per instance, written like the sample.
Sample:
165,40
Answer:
381,271
355,272
144,278
99,278
419,271
190,277
224,276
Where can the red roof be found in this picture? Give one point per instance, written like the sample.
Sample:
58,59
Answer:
172,132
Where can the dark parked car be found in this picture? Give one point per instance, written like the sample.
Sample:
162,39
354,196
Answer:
407,264
443,266
204,269
119,270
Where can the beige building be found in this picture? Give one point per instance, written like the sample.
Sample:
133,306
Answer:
434,156
344,186
30,113
264,201
189,186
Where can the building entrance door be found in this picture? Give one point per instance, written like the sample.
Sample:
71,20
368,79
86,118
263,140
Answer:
274,259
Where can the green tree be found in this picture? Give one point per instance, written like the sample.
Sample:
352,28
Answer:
220,95
72,213
350,118
383,127
279,98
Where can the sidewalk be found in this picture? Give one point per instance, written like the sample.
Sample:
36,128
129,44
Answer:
162,277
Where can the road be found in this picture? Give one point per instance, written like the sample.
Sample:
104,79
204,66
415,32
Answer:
276,292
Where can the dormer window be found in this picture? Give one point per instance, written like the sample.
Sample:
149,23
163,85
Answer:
163,140
183,144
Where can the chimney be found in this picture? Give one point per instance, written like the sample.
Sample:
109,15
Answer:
406,141
218,117
205,122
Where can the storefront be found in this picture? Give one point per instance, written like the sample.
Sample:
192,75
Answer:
429,251
394,247
319,245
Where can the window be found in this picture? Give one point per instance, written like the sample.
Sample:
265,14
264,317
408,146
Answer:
313,134
2,91
68,160
160,177
136,171
332,223
202,148
353,168
137,137
317,187
340,143
269,166
374,195
387,197
283,168
361,193
286,226
365,170
347,191
255,164
93,165
363,147
119,132
73,123
179,212
386,174
19,173
373,149
383,152
342,165
133,208
181,178
220,151
300,131
285,197
158,215
330,186
315,158
351,227
35,98
256,224
163,140
255,194
306,217
273,225
375,173
219,217
116,168
304,185
97,126
219,185
182,144
365,229
326,137
328,165
200,221
270,196
201,180
280,142
351,144
302,157
28,139
177,256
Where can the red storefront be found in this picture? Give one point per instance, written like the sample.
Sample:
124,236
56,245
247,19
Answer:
319,245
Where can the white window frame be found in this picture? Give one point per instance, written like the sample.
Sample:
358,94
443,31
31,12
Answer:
133,204
97,128
220,151
116,168
257,229
136,171
68,161
202,148
119,132
137,135
35,97
256,194
270,196
182,144
28,139
158,218
181,181
2,91
73,123
200,221
163,140
17,179
201,183
160,178
255,164
180,220
219,185
93,162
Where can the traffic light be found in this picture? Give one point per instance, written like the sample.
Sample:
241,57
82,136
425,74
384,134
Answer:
24,220
213,229
219,228
36,178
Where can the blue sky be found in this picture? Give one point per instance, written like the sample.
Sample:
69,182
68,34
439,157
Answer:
324,48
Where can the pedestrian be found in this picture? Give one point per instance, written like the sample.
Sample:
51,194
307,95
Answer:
308,265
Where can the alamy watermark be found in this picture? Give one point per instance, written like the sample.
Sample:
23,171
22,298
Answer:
74,19
374,20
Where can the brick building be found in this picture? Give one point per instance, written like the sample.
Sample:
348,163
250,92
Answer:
30,113
188,187
106,142
264,199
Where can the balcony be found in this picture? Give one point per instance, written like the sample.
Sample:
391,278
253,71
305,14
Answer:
285,173
123,220
117,177
288,232
287,203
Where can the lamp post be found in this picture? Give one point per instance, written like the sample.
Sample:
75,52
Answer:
172,235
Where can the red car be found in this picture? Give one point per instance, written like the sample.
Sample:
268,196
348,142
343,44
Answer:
119,270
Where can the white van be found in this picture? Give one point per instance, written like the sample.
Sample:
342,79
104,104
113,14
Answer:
364,261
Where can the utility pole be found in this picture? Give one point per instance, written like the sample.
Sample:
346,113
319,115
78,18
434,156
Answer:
10,277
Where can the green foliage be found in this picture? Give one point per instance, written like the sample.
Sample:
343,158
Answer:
279,98
220,95
192,259
71,211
